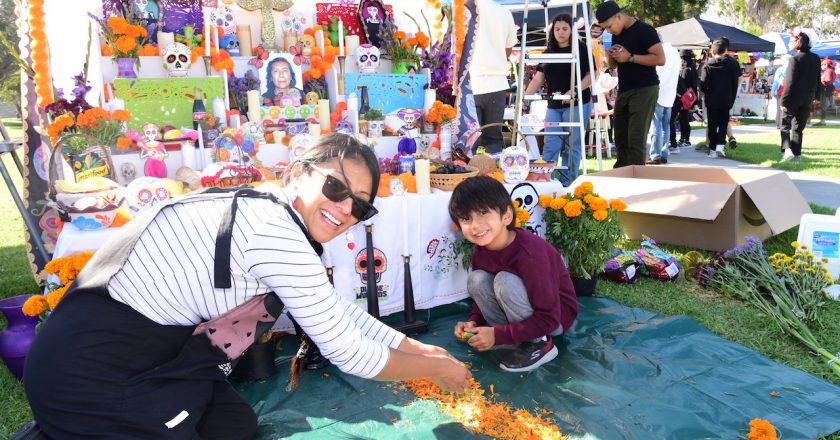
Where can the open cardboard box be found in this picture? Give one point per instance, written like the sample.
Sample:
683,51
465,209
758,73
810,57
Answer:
705,208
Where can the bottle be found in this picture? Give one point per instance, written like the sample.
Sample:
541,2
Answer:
365,105
198,108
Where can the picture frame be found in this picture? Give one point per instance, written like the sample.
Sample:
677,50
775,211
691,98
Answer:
293,86
371,15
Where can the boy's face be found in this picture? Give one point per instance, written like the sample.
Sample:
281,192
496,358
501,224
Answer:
487,228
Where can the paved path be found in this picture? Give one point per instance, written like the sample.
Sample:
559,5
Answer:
824,191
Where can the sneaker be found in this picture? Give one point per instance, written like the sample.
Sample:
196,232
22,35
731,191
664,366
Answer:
713,154
674,150
797,158
720,153
529,355
685,143
787,156
733,144
657,161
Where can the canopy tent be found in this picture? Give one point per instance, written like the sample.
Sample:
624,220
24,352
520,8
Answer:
827,49
537,16
696,33
781,40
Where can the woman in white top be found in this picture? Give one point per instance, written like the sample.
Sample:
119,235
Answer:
140,346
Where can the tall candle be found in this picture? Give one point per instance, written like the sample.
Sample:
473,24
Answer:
340,37
253,105
314,130
164,39
290,40
200,162
188,154
324,114
405,223
207,41
215,34
219,110
243,34
421,172
319,39
227,92
351,42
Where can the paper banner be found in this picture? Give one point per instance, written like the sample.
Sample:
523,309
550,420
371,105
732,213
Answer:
389,92
165,101
348,14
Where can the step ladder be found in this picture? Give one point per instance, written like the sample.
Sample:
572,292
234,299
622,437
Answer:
523,127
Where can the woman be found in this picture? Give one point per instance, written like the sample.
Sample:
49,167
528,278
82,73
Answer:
281,84
559,78
686,81
140,346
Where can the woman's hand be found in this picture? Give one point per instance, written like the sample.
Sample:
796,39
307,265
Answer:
459,329
452,375
483,338
413,346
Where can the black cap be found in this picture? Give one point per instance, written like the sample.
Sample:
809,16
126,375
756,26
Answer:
687,53
606,10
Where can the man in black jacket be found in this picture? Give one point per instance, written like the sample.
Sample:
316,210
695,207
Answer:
719,83
802,80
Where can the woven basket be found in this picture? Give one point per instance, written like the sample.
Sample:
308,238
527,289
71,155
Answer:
448,182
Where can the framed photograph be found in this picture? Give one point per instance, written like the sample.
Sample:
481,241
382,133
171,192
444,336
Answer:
281,81
371,15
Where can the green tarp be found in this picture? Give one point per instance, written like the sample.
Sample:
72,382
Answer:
622,373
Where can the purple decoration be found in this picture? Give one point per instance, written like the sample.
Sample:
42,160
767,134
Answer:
407,146
18,335
178,13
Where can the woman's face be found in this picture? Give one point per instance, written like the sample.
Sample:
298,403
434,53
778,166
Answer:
562,32
281,76
324,218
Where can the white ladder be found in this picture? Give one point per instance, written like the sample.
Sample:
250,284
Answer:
525,128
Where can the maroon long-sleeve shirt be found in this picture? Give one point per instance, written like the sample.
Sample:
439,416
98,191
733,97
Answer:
547,282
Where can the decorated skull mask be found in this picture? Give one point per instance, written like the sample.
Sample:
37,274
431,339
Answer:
299,144
312,98
514,163
230,43
145,193
177,60
344,126
223,17
380,264
375,128
367,56
306,42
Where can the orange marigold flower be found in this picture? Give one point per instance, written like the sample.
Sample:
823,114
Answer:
761,429
545,200
597,203
600,215
55,296
124,143
573,208
523,215
399,35
583,189
126,44
120,115
132,31
34,305
105,50
617,205
558,203
117,24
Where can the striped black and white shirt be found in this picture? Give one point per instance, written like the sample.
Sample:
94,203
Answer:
168,277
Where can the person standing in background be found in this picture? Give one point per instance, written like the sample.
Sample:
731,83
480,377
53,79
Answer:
687,80
719,83
494,41
668,75
827,77
779,87
802,86
636,50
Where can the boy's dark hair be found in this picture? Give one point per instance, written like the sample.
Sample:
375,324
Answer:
477,194
719,46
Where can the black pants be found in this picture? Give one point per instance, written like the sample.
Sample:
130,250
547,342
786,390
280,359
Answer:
680,117
94,372
718,119
793,123
490,109
633,115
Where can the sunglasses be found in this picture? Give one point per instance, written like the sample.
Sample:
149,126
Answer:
337,191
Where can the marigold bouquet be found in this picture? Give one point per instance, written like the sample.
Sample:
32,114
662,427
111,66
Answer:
107,128
123,38
66,269
398,47
584,228
441,113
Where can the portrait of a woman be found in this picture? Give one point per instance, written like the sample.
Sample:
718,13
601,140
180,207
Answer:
281,79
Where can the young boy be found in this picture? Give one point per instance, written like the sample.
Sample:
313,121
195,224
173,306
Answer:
522,291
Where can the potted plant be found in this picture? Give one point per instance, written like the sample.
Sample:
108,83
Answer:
124,38
85,138
374,123
584,228
442,115
400,49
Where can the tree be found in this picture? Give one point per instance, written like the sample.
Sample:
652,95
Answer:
660,12
9,68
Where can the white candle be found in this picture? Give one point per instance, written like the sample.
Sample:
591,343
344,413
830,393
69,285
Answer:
206,34
314,130
227,92
324,114
351,42
243,33
219,109
405,223
421,172
253,105
164,39
200,162
340,37
215,34
188,154
319,40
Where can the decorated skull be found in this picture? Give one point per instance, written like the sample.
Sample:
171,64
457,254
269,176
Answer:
145,193
312,98
223,17
230,43
367,57
344,126
177,60
380,264
514,163
299,144
306,42
375,128
151,131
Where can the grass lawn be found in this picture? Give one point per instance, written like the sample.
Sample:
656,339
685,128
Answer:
731,319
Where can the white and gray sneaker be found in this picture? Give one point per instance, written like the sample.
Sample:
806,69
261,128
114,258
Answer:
787,156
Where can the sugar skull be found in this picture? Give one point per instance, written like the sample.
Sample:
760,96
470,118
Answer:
223,17
151,132
307,42
380,264
344,126
230,43
367,57
514,163
312,98
410,118
145,193
299,144
375,128
176,59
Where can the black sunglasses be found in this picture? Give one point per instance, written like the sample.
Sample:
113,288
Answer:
337,191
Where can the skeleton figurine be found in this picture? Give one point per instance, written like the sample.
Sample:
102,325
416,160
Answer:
514,163
367,56
153,151
230,43
176,59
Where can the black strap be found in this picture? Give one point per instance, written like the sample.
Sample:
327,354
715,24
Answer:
221,261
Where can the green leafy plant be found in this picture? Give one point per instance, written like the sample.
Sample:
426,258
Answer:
584,228
373,114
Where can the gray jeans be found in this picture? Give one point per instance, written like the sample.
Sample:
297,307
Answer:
502,298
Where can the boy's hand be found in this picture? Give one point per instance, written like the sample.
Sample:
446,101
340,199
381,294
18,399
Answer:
459,329
483,339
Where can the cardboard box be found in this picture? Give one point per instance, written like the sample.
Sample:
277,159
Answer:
704,208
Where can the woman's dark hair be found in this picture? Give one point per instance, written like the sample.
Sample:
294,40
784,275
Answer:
553,45
341,146
269,84
477,194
